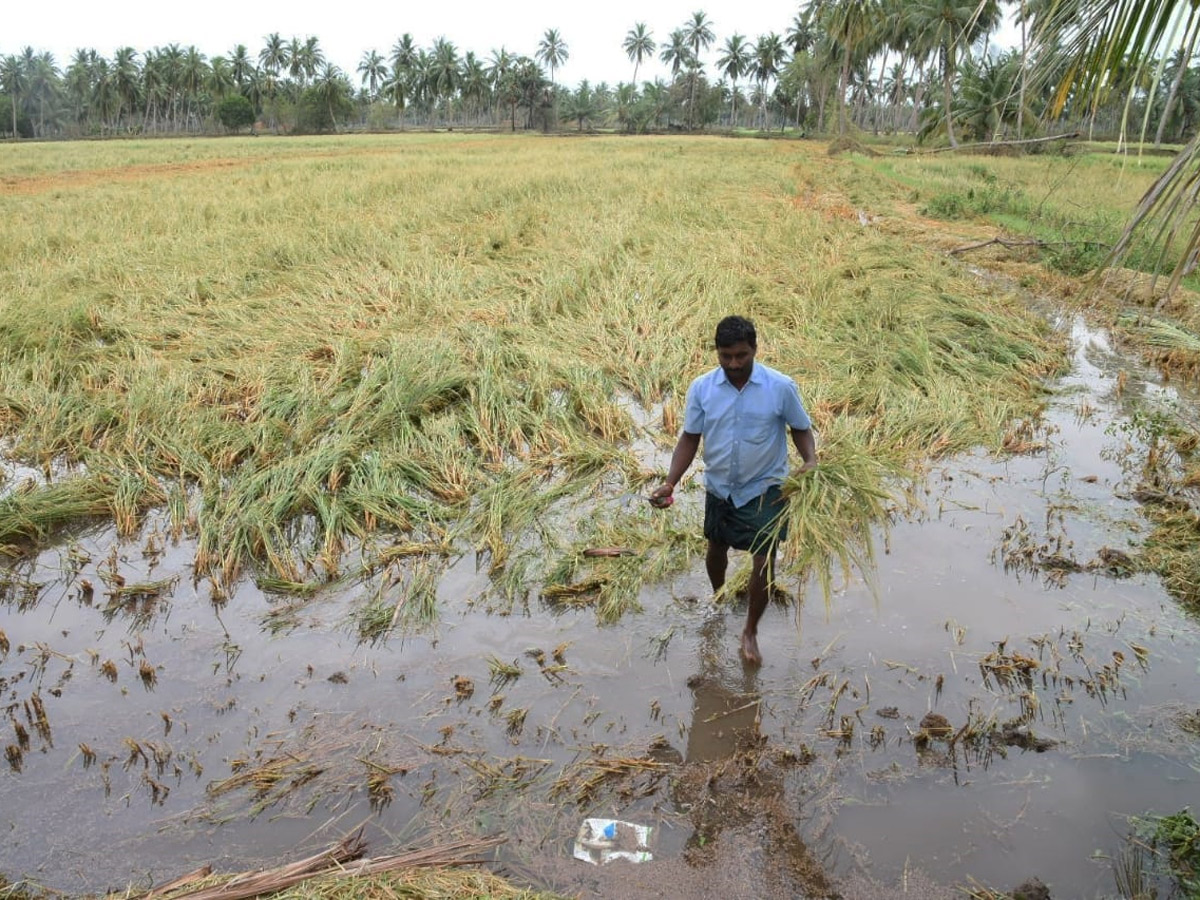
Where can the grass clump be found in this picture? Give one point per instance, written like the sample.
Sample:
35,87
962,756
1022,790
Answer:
1162,853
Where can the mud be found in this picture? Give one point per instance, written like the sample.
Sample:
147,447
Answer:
79,178
989,709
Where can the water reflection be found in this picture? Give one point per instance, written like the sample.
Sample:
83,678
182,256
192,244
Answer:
733,785
725,704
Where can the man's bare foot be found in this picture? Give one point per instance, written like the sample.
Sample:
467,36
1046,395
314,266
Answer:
750,649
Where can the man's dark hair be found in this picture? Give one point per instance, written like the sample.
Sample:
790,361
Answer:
735,329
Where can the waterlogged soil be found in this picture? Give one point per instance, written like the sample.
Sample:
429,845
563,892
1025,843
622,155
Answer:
992,706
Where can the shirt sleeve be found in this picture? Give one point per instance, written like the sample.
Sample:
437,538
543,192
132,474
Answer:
794,412
693,416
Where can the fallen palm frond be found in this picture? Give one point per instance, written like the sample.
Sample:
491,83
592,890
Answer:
331,871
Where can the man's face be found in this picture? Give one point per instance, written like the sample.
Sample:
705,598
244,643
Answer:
737,361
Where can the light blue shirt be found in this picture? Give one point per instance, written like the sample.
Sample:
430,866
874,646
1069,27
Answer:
745,432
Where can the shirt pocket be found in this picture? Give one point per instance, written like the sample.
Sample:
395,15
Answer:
759,428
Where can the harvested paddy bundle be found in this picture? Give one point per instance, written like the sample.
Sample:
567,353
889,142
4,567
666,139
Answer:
832,512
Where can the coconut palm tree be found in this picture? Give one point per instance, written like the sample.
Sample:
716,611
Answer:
331,87
105,99
220,77
127,79
193,75
240,66
801,35
443,76
499,69
769,56
948,27
734,62
396,89
552,51
582,106
676,53
699,36
273,58
274,54
474,86
295,60
312,59
44,86
154,89
373,69
169,60
15,82
78,83
639,46
848,24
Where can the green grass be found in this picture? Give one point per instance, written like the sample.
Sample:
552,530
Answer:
1077,203
300,347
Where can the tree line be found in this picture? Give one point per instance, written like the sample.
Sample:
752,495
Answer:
919,66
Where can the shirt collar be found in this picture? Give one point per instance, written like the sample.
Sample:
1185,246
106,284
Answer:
756,375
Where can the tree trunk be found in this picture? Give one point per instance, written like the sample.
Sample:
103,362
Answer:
1185,60
692,99
948,94
1024,68
897,98
879,92
918,98
842,82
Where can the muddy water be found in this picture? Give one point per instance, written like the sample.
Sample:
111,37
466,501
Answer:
1067,689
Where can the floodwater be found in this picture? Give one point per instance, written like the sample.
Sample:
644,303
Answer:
154,735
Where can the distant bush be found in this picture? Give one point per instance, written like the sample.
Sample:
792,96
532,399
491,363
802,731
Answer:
320,109
235,112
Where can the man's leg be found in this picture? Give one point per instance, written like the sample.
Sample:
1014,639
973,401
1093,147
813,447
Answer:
716,561
760,576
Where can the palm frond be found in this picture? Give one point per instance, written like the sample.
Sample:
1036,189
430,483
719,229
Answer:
1092,44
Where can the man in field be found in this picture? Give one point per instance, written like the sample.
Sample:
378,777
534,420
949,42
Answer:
745,412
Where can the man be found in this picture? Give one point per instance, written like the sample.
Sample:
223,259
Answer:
744,411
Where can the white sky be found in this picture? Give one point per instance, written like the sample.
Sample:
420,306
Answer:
593,31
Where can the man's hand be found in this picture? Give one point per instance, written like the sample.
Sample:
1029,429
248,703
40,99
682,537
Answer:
663,496
806,467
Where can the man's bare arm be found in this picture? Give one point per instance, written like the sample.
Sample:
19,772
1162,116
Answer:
806,443
681,459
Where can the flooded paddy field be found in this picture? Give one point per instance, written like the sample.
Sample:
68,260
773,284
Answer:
995,705
340,524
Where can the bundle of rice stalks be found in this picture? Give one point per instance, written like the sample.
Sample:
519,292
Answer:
34,513
1161,333
831,511
1175,346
